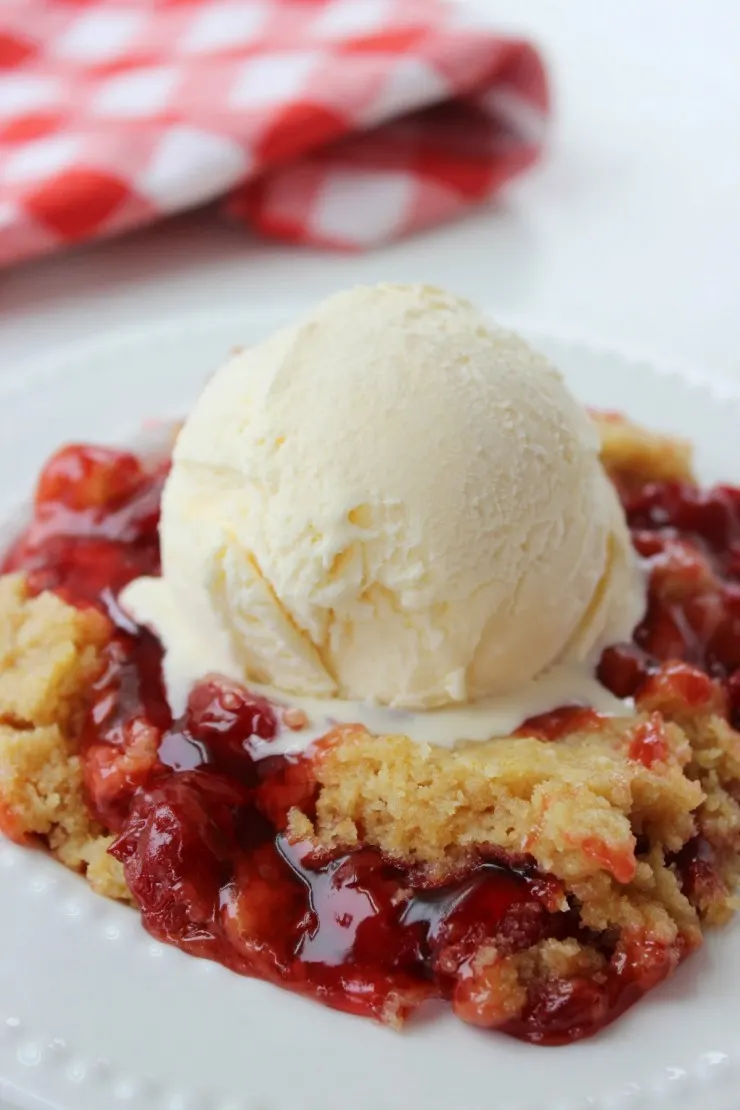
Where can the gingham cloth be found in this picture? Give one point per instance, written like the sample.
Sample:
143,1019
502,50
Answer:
342,123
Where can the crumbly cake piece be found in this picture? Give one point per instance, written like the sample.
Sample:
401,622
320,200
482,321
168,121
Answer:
432,805
582,807
496,988
49,656
630,451
715,765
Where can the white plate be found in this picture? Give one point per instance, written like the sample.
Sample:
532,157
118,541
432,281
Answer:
94,1014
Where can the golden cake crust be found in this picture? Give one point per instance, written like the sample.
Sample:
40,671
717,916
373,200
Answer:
581,795
579,806
631,451
49,656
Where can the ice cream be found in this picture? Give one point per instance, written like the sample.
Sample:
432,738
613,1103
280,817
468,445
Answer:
391,501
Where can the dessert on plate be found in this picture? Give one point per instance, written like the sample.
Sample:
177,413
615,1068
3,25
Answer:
403,678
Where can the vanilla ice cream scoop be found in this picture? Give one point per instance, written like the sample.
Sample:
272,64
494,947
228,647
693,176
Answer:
394,501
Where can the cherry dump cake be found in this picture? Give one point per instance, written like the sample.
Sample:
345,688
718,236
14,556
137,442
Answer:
541,881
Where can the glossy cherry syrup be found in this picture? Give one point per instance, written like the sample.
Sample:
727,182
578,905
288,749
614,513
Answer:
689,540
201,825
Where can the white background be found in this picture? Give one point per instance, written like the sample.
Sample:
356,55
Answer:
628,232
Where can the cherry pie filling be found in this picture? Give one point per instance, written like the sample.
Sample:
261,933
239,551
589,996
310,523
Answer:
201,825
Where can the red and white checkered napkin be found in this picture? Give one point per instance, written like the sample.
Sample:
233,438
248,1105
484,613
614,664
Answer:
335,122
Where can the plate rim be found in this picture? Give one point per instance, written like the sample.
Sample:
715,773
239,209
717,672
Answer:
36,367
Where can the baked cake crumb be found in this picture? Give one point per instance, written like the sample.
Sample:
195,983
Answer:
49,656
630,451
581,797
715,765
579,807
495,990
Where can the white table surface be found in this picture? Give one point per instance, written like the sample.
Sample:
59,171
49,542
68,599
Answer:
628,232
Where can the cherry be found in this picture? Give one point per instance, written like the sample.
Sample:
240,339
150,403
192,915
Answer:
624,668
81,569
219,723
649,743
357,911
287,783
645,961
559,722
180,835
82,477
223,714
262,910
714,514
485,908
677,686
94,528
562,1010
679,570
733,693
114,773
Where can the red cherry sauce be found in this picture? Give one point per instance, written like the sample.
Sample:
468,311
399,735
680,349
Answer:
201,825
689,540
559,722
